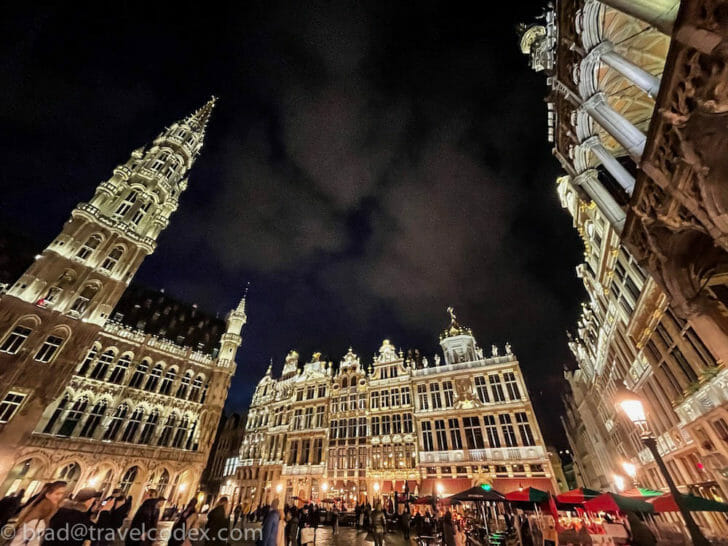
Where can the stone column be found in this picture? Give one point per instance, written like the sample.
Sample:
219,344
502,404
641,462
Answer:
615,168
603,199
641,78
660,14
632,139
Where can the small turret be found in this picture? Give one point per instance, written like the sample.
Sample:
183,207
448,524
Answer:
457,342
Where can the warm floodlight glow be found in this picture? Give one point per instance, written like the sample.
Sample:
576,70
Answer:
629,469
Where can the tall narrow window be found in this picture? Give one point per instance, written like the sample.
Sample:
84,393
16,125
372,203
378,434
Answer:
491,430
448,392
113,258
120,369
684,365
81,302
384,399
482,389
49,348
10,404
374,400
422,397
73,417
375,426
406,400
440,435
184,385
395,398
181,433
508,434
473,432
196,388
167,431
167,381
407,426
92,422
427,444
116,421
524,429
15,340
496,388
51,424
133,425
456,442
90,357
139,374
102,365
514,393
396,424
88,248
386,420
140,213
153,379
435,394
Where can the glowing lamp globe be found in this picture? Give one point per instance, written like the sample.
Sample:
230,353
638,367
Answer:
486,487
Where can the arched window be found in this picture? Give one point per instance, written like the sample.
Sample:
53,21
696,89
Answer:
50,425
49,348
84,298
196,388
113,258
153,379
204,393
133,425
90,357
15,339
139,374
116,422
184,385
167,381
69,474
162,483
180,434
191,442
127,480
102,366
140,213
119,371
73,417
92,423
148,430
167,430
87,248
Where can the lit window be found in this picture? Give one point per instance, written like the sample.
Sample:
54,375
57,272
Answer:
127,203
427,444
508,434
9,406
482,389
48,349
435,393
497,388
141,213
15,340
422,396
447,390
514,392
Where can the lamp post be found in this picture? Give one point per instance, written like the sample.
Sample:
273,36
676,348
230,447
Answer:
632,406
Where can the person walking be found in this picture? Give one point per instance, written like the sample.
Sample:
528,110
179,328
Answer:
218,524
236,514
35,516
9,506
405,521
448,530
291,533
71,525
182,525
335,521
270,525
143,528
114,511
379,524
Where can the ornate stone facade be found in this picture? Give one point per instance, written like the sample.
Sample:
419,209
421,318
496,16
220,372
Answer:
637,118
105,399
360,431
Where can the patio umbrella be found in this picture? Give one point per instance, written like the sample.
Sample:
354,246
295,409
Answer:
478,493
639,492
611,502
528,494
427,499
666,503
577,496
327,501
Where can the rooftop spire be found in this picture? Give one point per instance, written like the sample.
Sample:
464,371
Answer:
201,117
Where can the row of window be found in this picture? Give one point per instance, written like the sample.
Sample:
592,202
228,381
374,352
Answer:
390,398
491,389
125,426
462,471
443,435
15,340
92,243
379,425
311,392
157,380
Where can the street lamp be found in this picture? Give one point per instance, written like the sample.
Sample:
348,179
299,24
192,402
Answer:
632,405
619,482
324,487
630,470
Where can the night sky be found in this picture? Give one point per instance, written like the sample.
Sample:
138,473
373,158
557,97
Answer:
367,165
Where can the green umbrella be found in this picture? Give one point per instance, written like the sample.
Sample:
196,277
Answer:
666,503
610,502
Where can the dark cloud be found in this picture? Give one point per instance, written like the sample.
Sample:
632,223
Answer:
368,165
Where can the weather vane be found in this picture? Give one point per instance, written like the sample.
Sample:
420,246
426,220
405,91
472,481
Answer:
451,311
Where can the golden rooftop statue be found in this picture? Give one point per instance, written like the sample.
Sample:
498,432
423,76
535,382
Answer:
454,329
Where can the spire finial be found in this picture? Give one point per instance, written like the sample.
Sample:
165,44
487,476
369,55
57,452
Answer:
451,312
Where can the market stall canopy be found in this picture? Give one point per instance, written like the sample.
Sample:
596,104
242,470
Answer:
666,503
611,502
529,494
478,493
639,492
577,496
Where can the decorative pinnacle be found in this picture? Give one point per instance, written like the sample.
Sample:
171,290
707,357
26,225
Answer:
201,117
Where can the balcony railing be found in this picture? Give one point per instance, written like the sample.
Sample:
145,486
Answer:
302,469
486,454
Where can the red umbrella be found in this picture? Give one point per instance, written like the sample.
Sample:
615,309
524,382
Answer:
666,503
577,496
610,502
527,494
427,499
